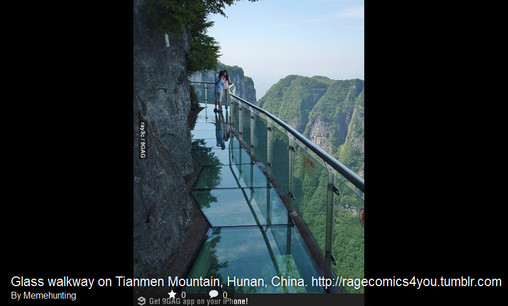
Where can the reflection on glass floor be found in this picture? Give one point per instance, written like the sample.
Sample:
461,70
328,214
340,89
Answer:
252,238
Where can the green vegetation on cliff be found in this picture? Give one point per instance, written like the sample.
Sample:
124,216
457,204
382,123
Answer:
328,112
179,16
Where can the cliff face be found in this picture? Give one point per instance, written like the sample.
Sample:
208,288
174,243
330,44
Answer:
336,123
162,208
328,112
244,86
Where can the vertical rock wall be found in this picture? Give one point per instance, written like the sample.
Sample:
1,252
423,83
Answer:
162,208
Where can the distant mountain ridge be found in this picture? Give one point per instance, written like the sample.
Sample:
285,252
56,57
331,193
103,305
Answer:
328,112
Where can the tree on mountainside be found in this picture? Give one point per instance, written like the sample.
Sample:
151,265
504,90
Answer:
179,16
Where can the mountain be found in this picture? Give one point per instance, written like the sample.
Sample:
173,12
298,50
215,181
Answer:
328,112
244,86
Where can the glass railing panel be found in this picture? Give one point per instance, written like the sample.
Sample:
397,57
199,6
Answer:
210,92
259,142
205,92
234,114
246,171
246,119
348,243
270,206
294,259
258,178
279,157
235,150
240,164
310,190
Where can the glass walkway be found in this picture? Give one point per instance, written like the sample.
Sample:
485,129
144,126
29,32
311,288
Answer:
282,211
252,236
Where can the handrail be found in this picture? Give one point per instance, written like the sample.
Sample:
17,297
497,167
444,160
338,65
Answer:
330,160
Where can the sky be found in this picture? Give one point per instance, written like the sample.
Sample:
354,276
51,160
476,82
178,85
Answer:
271,39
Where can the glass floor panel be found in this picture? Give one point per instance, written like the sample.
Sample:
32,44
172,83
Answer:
203,126
230,177
224,207
271,256
216,177
211,156
210,133
203,143
207,114
240,207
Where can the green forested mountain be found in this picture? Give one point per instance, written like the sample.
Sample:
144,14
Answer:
328,112
331,114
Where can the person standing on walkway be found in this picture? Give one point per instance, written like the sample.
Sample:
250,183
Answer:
227,84
219,90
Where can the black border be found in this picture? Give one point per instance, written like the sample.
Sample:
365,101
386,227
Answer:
71,122
432,149
434,136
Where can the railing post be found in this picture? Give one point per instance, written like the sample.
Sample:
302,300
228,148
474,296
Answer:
240,121
329,221
206,92
240,132
232,115
291,196
269,151
206,100
253,139
268,171
291,168
251,145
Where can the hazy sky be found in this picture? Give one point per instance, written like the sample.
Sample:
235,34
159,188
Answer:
271,39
